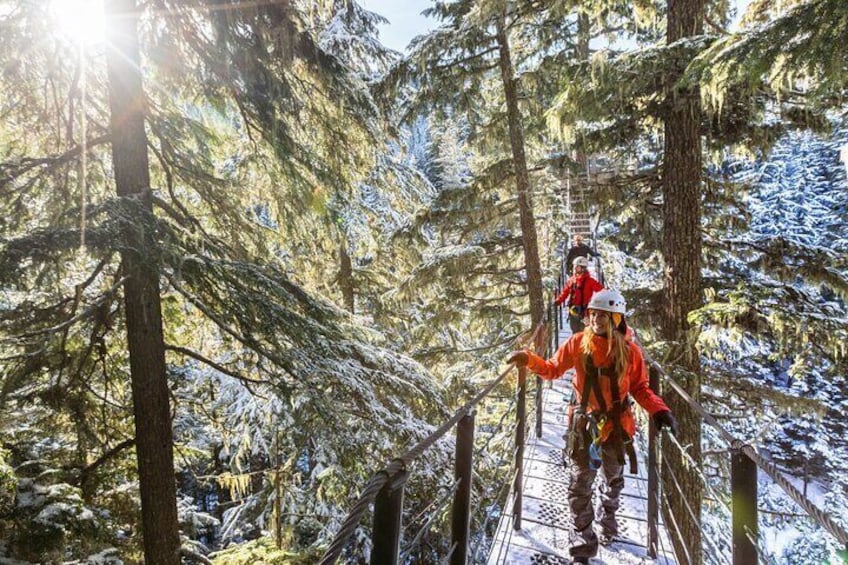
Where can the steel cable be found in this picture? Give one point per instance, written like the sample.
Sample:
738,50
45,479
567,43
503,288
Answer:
821,517
440,505
695,519
697,472
380,478
678,535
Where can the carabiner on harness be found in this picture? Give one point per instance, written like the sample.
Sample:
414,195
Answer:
596,426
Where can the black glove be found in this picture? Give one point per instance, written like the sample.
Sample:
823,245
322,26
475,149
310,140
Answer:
665,419
520,358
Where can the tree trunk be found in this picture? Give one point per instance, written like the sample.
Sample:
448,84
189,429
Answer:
682,255
522,180
346,277
154,436
580,181
584,28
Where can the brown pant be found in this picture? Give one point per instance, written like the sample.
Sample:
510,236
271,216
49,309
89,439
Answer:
576,323
580,500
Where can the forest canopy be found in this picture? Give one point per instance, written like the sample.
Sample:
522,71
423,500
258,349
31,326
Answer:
249,254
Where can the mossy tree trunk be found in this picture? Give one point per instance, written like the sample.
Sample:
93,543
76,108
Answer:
681,184
346,278
529,238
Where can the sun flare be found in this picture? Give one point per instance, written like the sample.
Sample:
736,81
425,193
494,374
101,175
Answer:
82,21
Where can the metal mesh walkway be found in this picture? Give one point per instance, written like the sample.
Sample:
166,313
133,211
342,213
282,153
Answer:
546,521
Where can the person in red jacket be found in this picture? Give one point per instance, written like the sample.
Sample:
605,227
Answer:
607,368
577,293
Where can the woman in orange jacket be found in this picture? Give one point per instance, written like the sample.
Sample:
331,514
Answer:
577,293
607,368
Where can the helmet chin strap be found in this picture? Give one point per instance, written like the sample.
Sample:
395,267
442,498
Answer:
616,319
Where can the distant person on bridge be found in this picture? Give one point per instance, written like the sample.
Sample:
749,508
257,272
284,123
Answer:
579,249
577,293
607,368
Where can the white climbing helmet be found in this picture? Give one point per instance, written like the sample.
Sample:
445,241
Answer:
581,262
608,301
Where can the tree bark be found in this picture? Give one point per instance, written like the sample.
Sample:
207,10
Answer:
584,35
153,431
346,277
529,238
682,277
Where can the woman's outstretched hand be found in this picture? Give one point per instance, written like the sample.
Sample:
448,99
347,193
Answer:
519,358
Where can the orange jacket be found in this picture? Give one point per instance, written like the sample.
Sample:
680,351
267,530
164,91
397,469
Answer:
634,381
581,288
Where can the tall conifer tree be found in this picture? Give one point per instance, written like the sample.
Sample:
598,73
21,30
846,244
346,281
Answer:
452,69
681,182
151,407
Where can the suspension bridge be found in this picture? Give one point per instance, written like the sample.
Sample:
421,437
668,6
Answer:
534,524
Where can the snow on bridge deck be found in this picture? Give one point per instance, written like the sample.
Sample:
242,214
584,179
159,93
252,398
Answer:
545,534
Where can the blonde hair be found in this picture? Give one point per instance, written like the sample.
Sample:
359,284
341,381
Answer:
617,348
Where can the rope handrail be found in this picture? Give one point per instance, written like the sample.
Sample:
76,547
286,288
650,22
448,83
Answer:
818,515
381,477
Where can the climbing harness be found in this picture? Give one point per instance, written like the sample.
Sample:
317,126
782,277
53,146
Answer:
584,438
572,294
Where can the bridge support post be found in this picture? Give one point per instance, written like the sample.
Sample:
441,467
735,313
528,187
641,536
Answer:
560,284
461,511
560,323
521,413
551,326
388,513
539,411
539,346
653,475
743,485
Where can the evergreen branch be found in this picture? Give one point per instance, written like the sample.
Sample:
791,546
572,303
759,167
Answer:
9,171
758,393
192,554
444,349
185,216
776,53
217,366
481,300
88,471
453,63
87,313
238,336
718,28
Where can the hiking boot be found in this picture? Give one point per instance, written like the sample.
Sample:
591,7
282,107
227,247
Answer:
580,561
605,538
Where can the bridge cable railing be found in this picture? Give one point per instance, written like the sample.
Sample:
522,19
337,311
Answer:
543,339
385,489
745,530
497,491
745,461
744,465
724,540
598,265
